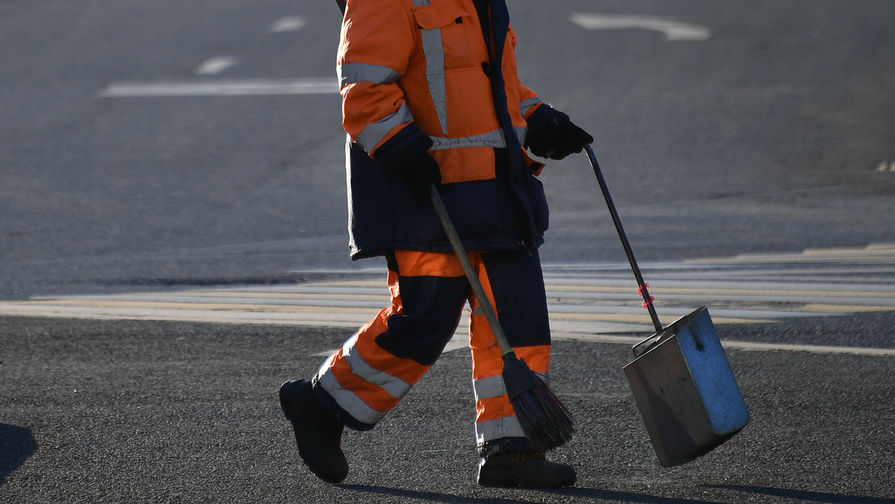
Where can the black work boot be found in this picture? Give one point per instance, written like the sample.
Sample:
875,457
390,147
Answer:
318,433
523,469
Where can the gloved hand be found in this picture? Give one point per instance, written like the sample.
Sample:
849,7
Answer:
420,174
552,135
406,154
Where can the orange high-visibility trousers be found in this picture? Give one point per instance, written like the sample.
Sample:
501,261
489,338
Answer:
378,365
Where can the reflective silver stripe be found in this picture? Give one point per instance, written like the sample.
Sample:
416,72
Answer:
373,133
497,429
418,3
345,398
526,105
486,388
349,73
492,139
433,49
521,133
395,386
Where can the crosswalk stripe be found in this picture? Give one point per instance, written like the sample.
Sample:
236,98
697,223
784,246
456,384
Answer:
588,301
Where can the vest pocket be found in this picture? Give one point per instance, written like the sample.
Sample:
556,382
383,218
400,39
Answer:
454,25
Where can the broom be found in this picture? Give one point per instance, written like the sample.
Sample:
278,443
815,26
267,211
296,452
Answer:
545,420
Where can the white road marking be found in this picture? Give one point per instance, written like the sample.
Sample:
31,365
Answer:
672,29
287,24
220,88
822,349
216,65
740,345
459,343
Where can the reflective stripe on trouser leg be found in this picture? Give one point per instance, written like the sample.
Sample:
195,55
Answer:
377,366
515,286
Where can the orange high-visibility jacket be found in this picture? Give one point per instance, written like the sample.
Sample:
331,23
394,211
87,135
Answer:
426,66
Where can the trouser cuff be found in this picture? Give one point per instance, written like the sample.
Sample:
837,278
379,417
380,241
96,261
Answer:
330,404
503,445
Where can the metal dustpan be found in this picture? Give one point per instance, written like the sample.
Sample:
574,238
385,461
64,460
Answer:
680,376
685,390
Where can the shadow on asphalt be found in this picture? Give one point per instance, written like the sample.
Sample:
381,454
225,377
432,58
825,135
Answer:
16,445
616,496
590,493
806,496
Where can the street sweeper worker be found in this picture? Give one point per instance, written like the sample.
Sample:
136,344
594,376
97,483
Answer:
430,94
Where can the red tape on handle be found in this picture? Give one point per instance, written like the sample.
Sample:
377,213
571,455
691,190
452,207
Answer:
640,290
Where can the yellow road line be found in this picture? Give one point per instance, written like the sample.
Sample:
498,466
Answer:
160,305
349,283
839,308
279,295
644,319
550,288
196,306
709,290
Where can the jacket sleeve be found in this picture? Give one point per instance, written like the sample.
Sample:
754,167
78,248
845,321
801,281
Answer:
529,104
528,99
374,50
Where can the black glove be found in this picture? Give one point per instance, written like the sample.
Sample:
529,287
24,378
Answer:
406,154
420,174
552,135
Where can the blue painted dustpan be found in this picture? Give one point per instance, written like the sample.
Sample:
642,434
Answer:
680,376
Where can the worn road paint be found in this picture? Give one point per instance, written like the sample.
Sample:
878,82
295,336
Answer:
287,24
216,65
672,29
249,87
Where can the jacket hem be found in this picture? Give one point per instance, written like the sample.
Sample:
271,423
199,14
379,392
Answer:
357,253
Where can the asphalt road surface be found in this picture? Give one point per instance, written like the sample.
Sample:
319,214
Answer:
158,158
767,131
117,411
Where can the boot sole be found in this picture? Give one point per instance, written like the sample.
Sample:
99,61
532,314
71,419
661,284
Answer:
507,480
507,477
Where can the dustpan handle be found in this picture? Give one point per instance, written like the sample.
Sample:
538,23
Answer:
642,286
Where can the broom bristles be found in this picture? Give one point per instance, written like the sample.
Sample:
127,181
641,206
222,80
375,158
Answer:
545,420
